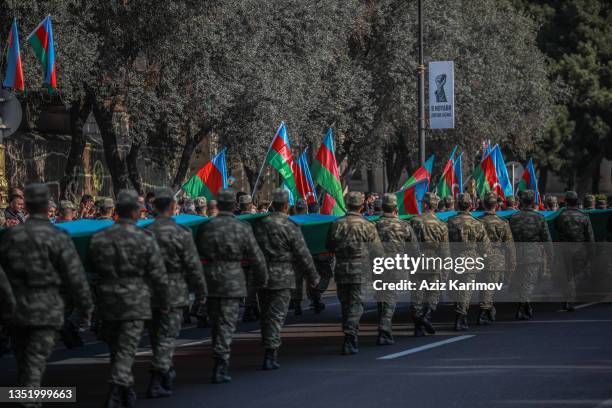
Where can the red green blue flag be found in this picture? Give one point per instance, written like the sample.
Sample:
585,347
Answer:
485,175
458,184
14,72
209,179
303,179
280,158
445,185
422,173
529,181
505,184
325,173
409,198
41,40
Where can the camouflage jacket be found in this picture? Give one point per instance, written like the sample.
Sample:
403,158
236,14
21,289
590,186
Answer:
40,261
283,245
432,234
128,272
531,237
181,259
223,243
7,299
397,237
355,242
468,235
503,252
573,225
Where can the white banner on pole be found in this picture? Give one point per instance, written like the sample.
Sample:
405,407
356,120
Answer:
441,95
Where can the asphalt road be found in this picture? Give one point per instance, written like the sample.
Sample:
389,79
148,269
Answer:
559,359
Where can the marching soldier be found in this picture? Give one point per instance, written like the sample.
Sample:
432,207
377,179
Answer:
251,305
105,206
432,234
528,229
39,259
511,203
589,202
397,237
129,274
471,241
573,225
324,262
355,241
184,271
501,258
224,242
601,203
285,250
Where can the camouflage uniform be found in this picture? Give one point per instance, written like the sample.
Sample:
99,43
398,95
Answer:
574,226
129,274
355,241
251,305
528,229
471,241
397,237
432,234
589,202
39,259
223,242
501,258
184,271
285,250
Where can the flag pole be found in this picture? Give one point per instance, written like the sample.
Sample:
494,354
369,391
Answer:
254,194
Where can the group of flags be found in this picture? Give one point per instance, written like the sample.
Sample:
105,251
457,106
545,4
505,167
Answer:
41,40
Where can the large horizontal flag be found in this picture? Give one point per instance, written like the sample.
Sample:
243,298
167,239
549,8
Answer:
505,184
409,198
209,179
529,181
422,173
14,72
325,174
485,175
280,158
303,179
41,40
447,180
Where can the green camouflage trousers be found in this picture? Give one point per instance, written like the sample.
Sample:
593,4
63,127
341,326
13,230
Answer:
349,295
274,304
385,315
486,296
525,279
32,347
463,297
223,313
422,297
122,338
164,328
251,298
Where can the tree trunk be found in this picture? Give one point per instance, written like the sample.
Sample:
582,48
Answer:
543,179
116,165
132,166
596,175
191,142
69,184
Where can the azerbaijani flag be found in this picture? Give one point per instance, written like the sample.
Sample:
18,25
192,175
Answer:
303,179
209,179
422,173
529,181
409,198
505,184
41,40
280,158
445,185
325,173
485,175
458,184
14,72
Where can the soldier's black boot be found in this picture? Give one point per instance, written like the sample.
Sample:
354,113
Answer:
220,371
568,307
385,338
492,313
354,345
426,321
250,314
129,397
461,322
350,345
271,360
528,311
484,317
317,305
297,311
168,378
418,326
114,398
520,312
186,316
156,390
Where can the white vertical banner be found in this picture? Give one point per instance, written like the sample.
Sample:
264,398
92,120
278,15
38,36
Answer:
441,95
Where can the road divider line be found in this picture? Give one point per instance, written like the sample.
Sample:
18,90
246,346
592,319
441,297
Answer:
426,347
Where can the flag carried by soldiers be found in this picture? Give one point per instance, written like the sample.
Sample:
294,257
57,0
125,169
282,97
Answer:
448,180
422,173
209,179
279,156
14,72
529,181
41,40
326,175
303,178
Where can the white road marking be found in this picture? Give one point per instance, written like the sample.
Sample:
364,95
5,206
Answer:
426,347
606,403
582,306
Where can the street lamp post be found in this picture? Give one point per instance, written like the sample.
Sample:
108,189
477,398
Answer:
421,86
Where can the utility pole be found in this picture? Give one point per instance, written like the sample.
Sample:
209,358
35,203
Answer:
421,86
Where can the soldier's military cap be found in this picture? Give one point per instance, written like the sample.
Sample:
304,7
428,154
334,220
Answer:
245,199
227,195
390,200
105,202
301,204
527,197
52,204
37,193
280,195
431,199
354,198
201,201
589,198
571,195
464,199
490,197
126,198
551,199
67,205
164,192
